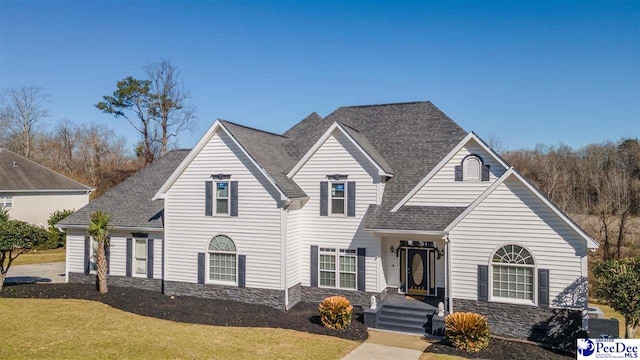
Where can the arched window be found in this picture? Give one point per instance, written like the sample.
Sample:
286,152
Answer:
513,269
222,260
471,170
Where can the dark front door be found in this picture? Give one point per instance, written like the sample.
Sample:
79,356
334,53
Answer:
417,272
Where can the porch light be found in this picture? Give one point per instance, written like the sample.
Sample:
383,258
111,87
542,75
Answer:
392,249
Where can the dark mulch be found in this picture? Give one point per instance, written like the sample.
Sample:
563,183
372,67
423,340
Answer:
503,350
302,317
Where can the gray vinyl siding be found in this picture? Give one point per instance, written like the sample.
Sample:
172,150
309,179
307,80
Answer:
512,214
337,156
443,190
256,230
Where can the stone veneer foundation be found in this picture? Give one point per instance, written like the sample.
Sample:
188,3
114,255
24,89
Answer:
269,297
123,281
551,326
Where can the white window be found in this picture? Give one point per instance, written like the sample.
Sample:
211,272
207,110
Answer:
337,197
93,256
222,260
342,276
513,273
6,202
222,198
472,168
140,257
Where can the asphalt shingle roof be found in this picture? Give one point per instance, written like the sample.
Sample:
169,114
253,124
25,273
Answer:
424,218
29,175
130,201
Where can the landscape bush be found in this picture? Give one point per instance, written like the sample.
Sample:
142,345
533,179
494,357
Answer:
467,331
55,238
335,312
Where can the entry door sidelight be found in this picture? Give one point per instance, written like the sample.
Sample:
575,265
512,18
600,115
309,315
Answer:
417,274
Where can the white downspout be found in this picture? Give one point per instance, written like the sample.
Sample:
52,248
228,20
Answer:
447,264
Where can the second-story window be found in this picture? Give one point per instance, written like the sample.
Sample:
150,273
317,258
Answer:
338,192
222,198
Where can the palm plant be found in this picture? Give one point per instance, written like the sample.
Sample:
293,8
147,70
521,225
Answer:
99,227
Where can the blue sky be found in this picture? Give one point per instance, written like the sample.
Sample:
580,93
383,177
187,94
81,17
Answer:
526,71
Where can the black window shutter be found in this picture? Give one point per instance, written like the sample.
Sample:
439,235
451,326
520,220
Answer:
129,255
543,287
351,198
107,254
483,282
458,171
313,282
87,254
200,268
234,199
208,198
485,172
242,271
150,259
324,198
362,252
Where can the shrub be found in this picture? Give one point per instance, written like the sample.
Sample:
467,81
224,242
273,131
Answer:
335,312
56,237
467,331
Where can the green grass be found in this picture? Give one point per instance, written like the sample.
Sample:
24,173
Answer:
80,329
40,257
610,313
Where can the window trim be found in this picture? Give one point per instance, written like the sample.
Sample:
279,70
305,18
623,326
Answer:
93,255
207,278
134,272
4,200
465,174
533,267
337,253
344,198
215,198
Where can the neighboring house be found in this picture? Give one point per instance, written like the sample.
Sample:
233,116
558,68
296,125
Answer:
31,192
370,200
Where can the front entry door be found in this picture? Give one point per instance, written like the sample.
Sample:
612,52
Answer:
417,272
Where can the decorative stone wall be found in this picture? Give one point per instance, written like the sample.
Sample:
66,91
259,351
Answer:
295,295
269,297
357,298
556,327
121,281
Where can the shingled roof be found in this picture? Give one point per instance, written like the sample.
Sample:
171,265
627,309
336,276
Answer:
419,218
130,201
18,173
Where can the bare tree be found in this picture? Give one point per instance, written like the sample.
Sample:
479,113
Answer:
22,109
169,107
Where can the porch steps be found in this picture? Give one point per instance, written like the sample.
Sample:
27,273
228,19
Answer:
404,318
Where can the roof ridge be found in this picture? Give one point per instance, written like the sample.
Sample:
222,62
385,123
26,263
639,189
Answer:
388,104
46,168
254,129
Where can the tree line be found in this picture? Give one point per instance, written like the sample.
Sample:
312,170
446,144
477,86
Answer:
156,107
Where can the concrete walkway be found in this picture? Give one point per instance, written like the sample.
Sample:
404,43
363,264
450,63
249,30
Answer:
382,345
36,273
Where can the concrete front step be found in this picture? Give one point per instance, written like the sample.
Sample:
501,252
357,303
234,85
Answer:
414,329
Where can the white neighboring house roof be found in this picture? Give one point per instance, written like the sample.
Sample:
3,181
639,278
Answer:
217,125
445,160
324,138
591,243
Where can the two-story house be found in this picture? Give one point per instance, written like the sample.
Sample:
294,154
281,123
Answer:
370,200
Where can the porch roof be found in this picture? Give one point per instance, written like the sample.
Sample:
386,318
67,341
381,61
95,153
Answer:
419,218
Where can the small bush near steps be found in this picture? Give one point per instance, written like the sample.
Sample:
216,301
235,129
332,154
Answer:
467,331
335,312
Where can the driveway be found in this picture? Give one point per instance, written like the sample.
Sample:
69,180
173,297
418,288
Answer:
36,273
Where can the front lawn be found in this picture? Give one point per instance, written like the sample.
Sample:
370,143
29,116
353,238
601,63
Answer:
40,257
78,329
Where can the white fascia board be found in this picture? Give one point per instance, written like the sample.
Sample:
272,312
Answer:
118,228
322,140
591,244
470,136
62,191
378,232
160,194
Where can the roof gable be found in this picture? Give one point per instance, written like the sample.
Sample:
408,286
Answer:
512,173
444,161
27,175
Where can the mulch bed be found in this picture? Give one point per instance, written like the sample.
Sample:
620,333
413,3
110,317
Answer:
302,317
503,350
